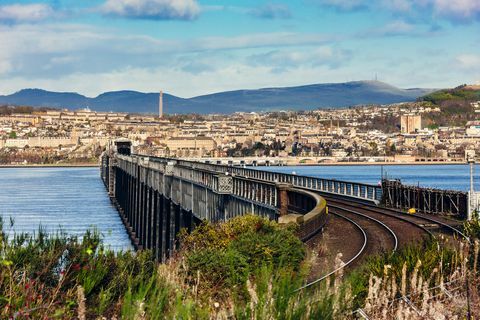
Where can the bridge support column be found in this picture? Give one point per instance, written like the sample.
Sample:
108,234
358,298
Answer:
148,242
172,228
283,197
164,226
143,212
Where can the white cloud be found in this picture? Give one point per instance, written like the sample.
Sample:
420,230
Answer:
64,56
397,28
345,4
286,60
152,9
25,12
453,10
469,61
272,11
457,9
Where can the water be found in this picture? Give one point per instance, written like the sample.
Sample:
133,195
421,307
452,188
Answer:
71,199
452,177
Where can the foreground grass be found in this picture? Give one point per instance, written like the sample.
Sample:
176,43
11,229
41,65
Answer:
247,268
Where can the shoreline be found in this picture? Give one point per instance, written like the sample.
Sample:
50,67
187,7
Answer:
365,163
51,165
291,164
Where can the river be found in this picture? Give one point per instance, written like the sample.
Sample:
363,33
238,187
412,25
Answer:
71,199
454,177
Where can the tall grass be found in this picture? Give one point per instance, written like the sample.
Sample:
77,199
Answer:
248,268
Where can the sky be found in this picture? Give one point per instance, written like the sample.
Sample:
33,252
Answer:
194,47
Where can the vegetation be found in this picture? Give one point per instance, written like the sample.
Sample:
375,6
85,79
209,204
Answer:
255,149
221,272
226,255
247,268
455,106
8,109
462,92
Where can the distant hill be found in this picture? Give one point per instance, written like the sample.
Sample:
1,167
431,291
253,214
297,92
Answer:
306,97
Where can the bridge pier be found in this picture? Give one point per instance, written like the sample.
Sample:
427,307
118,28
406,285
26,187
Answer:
283,197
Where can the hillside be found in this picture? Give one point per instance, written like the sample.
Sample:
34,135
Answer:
306,97
455,106
461,93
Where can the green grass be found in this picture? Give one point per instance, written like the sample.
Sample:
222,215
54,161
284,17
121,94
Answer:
246,268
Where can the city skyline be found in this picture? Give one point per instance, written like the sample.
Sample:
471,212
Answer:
189,47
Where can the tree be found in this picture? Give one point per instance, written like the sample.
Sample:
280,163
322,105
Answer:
12,135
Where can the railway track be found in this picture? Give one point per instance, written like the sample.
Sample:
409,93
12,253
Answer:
375,223
434,226
375,237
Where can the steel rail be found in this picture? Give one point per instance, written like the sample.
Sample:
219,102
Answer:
403,216
362,249
392,233
390,215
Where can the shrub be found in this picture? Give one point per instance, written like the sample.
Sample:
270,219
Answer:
223,256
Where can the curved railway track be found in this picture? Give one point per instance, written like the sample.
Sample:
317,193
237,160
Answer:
431,225
401,227
357,254
376,237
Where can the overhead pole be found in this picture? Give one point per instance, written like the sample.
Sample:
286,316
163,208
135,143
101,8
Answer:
472,198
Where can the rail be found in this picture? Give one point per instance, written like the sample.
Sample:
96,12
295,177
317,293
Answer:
344,265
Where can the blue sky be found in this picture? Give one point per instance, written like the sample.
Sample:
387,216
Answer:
190,47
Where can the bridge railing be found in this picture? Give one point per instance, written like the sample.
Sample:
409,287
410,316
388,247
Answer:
357,190
312,210
261,188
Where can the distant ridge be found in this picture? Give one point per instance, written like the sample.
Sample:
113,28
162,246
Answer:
305,97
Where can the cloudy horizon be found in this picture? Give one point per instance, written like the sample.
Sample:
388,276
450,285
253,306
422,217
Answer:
189,47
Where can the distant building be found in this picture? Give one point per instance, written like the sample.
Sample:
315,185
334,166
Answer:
410,123
473,128
191,144
160,104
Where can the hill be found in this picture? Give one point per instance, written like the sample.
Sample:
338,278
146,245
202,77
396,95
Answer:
306,97
455,106
463,93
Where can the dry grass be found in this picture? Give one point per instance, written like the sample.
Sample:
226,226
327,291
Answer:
441,295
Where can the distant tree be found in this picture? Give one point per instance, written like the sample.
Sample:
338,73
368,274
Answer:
12,135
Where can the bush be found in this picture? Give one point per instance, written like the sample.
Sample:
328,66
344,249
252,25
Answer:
221,257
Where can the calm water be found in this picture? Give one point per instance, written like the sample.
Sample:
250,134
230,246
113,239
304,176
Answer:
73,199
454,177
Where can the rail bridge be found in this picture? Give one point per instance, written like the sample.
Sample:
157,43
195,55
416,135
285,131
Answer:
157,197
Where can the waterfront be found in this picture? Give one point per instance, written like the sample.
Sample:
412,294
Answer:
454,177
71,199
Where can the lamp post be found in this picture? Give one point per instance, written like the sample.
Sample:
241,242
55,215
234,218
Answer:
472,203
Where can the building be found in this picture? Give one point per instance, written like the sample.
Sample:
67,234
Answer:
410,123
190,144
160,105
